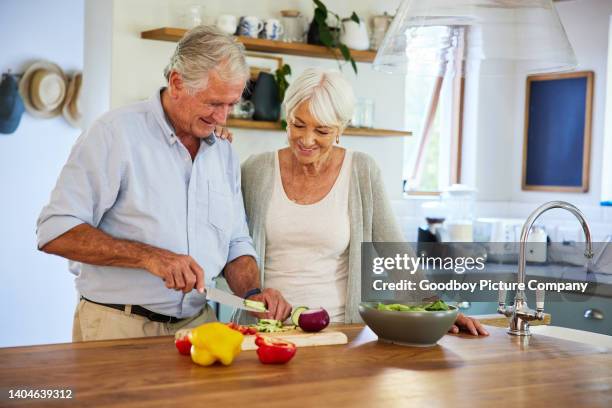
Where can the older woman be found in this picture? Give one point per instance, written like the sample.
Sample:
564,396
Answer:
311,205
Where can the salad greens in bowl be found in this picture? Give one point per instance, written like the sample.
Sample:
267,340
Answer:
410,325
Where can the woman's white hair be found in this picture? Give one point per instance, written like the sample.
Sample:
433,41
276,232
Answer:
330,95
206,48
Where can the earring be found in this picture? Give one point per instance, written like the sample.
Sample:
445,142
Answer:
337,139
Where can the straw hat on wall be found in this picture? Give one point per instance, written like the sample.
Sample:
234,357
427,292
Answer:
43,88
72,106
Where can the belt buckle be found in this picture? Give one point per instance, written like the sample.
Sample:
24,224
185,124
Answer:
157,317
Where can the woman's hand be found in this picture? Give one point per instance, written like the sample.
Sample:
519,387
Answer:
468,324
224,133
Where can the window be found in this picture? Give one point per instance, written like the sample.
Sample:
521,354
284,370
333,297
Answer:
434,109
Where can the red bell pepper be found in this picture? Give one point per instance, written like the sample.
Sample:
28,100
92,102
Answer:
183,345
274,351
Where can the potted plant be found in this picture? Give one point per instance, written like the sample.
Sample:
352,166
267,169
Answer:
321,33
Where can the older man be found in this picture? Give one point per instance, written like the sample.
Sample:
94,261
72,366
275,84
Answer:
149,203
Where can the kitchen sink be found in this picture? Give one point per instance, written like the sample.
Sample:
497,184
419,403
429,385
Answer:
579,336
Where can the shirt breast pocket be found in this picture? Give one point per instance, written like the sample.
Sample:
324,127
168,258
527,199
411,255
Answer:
220,208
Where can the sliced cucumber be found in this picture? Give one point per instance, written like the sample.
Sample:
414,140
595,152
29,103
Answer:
269,325
269,322
254,304
295,315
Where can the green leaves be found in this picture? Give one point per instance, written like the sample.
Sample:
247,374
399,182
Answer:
285,69
321,6
397,307
353,65
355,18
281,80
326,36
320,16
437,305
346,53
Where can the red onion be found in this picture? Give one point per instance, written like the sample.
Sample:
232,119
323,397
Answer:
313,320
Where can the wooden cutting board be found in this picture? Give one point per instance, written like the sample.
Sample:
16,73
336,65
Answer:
326,337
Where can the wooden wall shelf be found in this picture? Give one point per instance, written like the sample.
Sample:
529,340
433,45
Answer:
261,45
275,126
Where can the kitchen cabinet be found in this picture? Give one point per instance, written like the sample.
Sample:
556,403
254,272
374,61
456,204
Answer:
571,313
479,308
460,371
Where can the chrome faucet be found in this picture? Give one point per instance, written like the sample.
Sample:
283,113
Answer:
520,315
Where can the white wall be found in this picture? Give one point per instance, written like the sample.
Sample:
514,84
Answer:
493,133
137,67
500,112
606,193
97,57
586,23
37,294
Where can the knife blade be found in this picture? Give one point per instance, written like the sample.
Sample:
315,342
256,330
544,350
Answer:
220,296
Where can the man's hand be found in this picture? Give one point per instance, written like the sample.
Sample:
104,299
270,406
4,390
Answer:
224,133
277,306
468,324
179,272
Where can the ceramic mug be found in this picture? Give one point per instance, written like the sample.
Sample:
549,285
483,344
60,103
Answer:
273,29
227,23
250,26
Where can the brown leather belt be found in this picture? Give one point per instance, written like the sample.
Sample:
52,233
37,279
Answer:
140,311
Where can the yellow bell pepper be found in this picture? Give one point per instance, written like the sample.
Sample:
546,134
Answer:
213,342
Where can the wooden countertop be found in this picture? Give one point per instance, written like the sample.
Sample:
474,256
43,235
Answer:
498,370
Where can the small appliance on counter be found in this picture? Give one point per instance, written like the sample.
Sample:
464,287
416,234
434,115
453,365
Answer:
460,201
435,214
451,219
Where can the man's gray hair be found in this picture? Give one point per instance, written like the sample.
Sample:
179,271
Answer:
203,49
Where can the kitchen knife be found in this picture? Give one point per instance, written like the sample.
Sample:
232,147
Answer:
220,296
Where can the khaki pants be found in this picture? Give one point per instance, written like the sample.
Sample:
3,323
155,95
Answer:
97,322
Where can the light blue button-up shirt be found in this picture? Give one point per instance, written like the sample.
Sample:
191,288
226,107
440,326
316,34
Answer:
130,176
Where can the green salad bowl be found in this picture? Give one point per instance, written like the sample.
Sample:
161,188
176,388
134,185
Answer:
420,329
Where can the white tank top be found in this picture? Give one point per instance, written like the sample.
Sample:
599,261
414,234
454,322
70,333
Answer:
307,246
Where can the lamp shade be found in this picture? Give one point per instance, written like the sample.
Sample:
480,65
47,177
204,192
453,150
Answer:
425,35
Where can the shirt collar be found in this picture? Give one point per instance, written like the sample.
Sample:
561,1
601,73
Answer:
167,128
